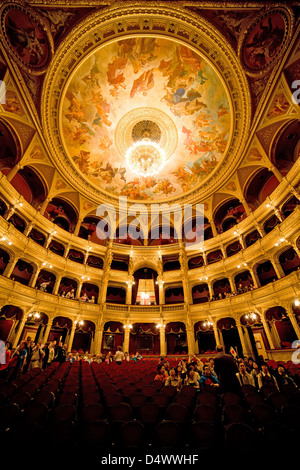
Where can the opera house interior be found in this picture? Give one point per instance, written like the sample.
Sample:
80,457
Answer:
149,203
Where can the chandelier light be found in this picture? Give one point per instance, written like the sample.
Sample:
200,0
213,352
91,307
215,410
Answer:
145,158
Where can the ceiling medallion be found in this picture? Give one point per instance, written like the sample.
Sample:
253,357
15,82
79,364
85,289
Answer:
145,158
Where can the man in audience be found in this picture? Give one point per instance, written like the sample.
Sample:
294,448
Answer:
226,370
265,377
207,378
243,376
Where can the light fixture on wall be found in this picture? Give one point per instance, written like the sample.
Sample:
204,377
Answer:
78,322
207,323
297,303
127,326
160,325
250,316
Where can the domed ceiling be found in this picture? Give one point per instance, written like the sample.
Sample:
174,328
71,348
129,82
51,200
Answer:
153,90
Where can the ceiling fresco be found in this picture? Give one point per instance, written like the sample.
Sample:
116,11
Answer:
145,87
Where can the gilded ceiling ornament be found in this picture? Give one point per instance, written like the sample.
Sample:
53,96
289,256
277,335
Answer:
173,62
265,39
26,36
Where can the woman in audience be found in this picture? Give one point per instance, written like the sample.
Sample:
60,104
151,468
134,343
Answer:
162,375
174,379
192,378
283,378
119,356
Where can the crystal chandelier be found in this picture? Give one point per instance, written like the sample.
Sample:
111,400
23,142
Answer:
145,157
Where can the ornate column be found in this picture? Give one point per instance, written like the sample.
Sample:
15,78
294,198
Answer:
98,338
71,338
293,320
129,284
254,276
184,274
127,329
213,227
10,267
276,173
245,205
21,327
211,290
232,284
48,329
162,337
56,285
241,332
106,272
10,175
216,332
77,227
190,338
34,277
44,205
278,268
267,331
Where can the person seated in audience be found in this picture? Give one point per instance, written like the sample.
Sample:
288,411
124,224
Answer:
243,376
251,287
174,379
182,370
207,378
138,356
84,298
76,357
246,288
43,286
220,296
240,289
283,378
211,363
162,374
249,364
70,358
255,371
265,377
92,300
63,293
98,358
197,374
70,294
192,378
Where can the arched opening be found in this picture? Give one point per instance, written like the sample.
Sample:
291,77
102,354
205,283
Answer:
145,291
88,231
231,339
10,317
3,208
243,282
171,262
116,295
266,273
174,295
233,248
89,292
45,281
261,184
68,288
120,262
29,184
94,262
77,256
17,222
214,256
129,233
162,235
252,237
83,337
9,148
196,262
289,206
205,337
113,336
283,153
200,293
253,328
176,338
289,261
221,288
271,223
4,260
60,330
229,214
37,236
56,248
62,214
283,325
22,272
144,338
